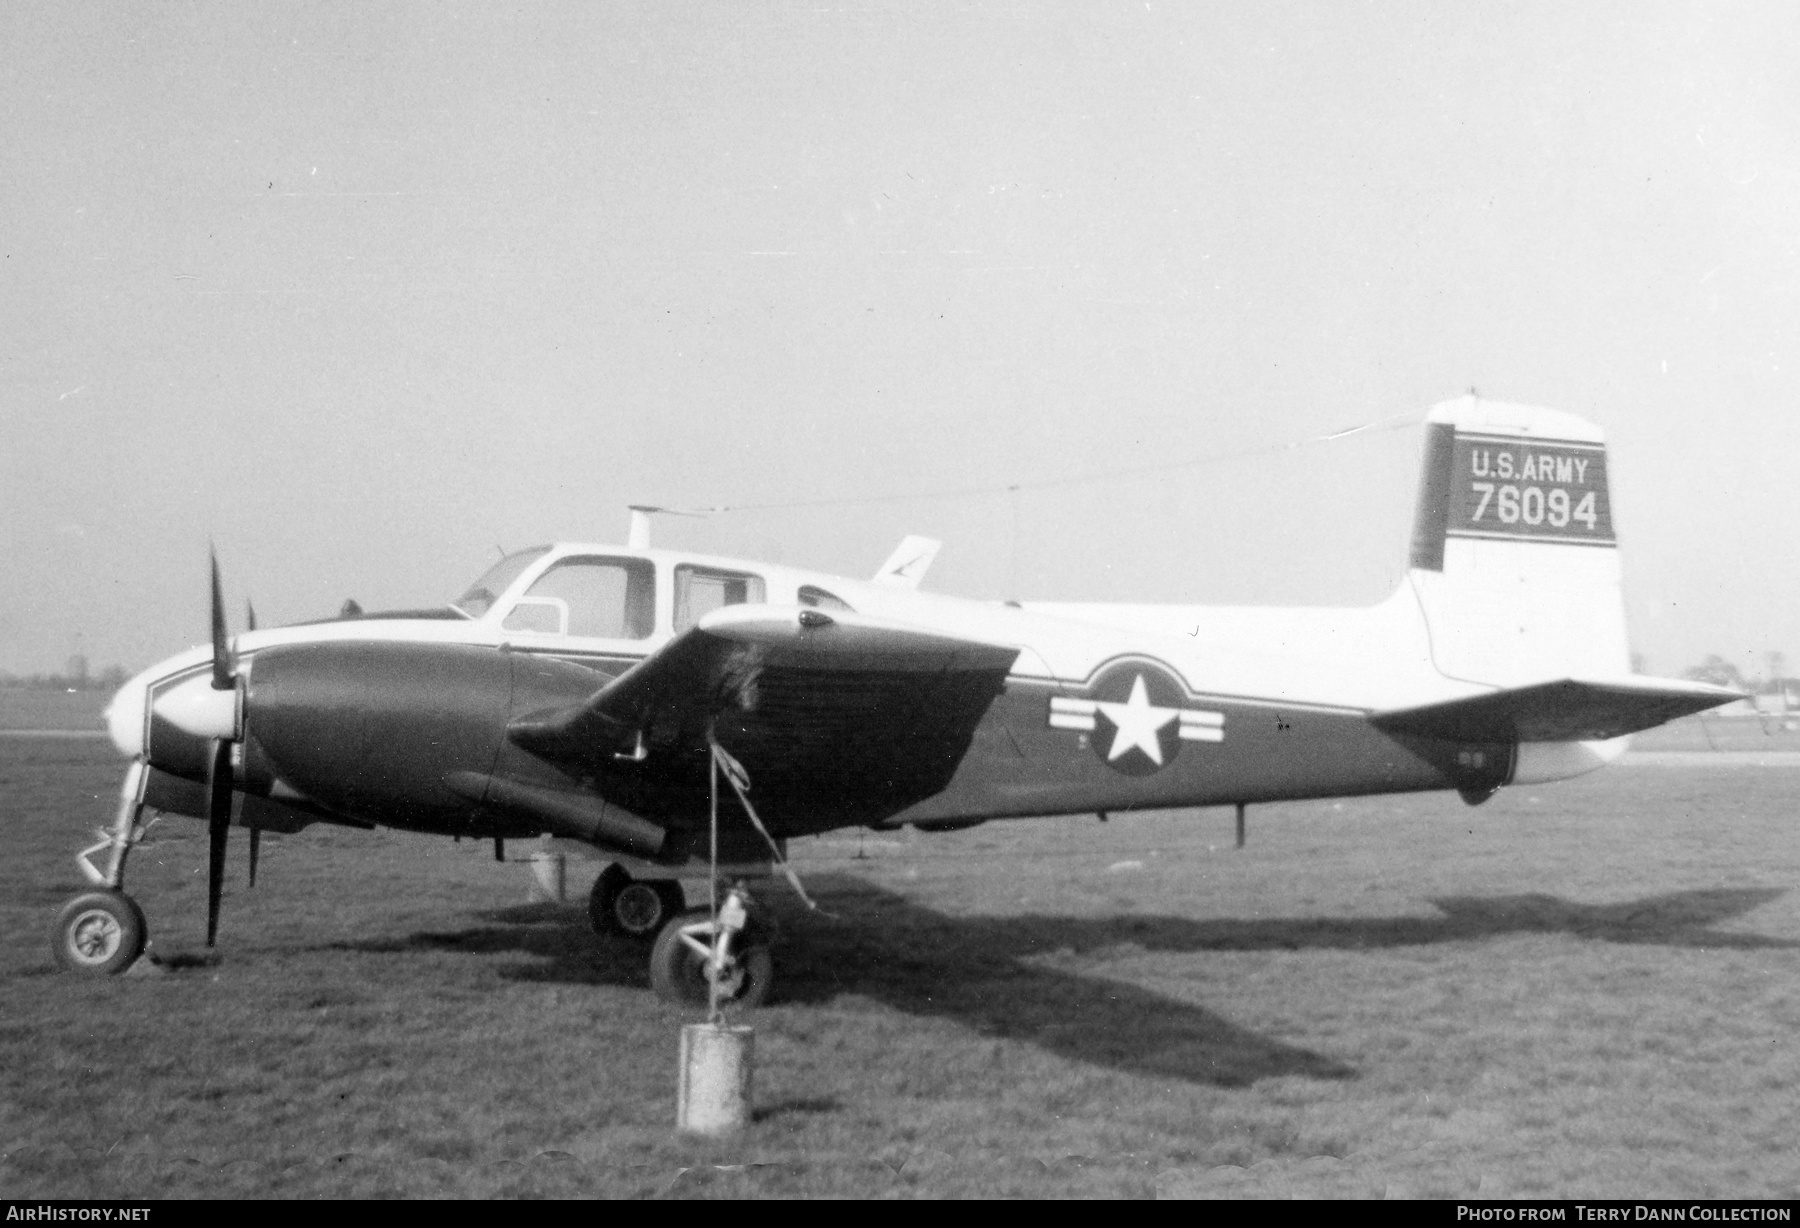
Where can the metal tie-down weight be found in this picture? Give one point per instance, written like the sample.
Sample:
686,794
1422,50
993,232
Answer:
714,1094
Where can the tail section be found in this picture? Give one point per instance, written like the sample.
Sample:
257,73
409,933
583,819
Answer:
906,566
1514,559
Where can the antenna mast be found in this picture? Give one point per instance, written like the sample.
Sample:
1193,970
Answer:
637,534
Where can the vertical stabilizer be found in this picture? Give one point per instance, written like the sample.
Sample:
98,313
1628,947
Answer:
1514,560
906,566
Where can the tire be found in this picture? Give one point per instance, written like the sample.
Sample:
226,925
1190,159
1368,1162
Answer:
99,932
600,899
621,906
678,973
674,901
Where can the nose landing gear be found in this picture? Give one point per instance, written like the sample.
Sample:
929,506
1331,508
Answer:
99,931
103,931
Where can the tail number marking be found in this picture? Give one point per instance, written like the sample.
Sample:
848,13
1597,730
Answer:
1537,490
1533,506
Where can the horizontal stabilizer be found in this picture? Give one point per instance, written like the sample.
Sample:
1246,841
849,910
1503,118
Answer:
1566,711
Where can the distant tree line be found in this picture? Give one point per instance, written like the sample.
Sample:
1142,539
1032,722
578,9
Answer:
1720,672
76,676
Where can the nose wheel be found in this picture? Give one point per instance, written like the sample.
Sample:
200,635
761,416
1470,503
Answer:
102,930
99,932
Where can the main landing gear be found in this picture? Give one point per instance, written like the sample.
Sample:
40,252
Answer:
621,906
688,953
699,962
103,930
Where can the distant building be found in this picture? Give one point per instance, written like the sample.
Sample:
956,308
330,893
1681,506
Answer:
1778,698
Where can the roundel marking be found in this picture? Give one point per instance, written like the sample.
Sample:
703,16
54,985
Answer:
1137,716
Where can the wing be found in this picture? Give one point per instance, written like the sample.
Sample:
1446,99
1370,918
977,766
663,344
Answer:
1566,711
838,718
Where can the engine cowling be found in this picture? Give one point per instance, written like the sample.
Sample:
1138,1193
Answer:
373,729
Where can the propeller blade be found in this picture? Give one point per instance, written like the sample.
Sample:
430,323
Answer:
249,615
255,848
218,826
223,667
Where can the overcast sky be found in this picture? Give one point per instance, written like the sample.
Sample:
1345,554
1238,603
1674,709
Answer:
362,292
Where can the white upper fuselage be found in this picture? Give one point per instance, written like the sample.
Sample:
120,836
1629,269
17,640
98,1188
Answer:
1358,659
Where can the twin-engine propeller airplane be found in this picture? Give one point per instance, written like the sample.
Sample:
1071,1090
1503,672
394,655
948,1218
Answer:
593,693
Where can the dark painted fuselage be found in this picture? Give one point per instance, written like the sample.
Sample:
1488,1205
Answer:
1020,765
373,732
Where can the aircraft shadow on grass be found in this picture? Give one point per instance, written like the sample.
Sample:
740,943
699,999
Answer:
996,974
1674,919
968,969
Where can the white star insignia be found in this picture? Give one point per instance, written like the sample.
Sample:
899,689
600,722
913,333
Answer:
1138,722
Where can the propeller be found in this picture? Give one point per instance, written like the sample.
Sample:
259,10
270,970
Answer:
218,826
218,767
224,661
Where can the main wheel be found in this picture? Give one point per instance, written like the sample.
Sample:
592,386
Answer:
628,907
678,972
99,931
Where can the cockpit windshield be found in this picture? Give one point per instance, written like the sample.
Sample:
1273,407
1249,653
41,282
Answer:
495,580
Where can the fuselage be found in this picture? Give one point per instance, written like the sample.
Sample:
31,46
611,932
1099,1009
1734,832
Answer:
370,720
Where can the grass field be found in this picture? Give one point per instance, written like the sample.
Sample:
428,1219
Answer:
39,708
1701,734
1587,989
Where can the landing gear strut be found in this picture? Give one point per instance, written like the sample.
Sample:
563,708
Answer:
693,955
103,931
625,907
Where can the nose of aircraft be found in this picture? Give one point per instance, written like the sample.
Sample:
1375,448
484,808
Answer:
184,707
197,707
125,716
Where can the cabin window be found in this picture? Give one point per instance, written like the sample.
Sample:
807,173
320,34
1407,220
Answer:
701,590
612,599
818,599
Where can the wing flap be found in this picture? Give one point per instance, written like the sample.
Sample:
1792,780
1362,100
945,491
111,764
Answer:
1570,710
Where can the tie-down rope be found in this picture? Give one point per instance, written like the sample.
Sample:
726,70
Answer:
740,784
